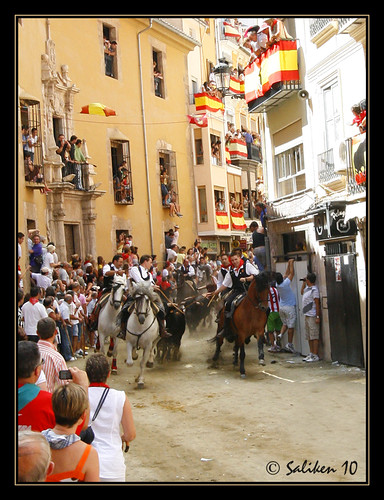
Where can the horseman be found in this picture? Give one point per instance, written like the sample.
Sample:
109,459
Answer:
241,272
140,274
109,271
224,268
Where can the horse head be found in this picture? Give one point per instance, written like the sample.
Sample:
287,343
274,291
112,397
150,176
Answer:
118,286
143,296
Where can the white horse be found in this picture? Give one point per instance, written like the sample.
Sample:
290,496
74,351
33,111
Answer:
107,325
142,329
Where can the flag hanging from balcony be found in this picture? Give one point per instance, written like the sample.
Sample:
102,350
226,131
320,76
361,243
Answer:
222,220
227,155
359,158
276,64
231,31
237,148
206,102
199,120
236,86
237,220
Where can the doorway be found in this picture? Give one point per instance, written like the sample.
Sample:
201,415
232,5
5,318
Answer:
72,240
344,309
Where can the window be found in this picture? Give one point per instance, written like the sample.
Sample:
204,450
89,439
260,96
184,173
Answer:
215,149
289,168
168,178
121,172
158,73
202,198
32,141
331,102
220,204
198,141
110,51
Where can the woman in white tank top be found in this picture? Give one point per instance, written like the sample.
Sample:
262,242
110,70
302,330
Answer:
115,411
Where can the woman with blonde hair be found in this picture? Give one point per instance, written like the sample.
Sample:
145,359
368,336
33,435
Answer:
75,461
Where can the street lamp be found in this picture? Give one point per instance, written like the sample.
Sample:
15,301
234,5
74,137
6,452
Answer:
222,73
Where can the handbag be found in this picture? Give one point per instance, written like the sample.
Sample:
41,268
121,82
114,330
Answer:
87,435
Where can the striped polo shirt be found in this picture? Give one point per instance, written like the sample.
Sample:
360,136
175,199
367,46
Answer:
53,363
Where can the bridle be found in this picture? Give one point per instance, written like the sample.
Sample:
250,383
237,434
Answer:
114,289
141,298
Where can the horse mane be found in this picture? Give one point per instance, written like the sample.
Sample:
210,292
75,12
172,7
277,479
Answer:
144,290
261,282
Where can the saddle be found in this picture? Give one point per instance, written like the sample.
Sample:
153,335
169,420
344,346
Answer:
235,302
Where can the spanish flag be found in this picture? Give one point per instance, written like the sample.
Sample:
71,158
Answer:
279,64
222,220
236,86
206,102
231,31
238,222
276,64
227,155
238,147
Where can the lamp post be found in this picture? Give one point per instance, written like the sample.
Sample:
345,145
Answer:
222,73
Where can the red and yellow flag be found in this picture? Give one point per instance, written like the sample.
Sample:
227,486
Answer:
236,86
238,222
276,64
238,147
222,220
206,102
231,31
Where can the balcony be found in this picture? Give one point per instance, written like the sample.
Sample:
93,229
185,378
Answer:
322,29
344,166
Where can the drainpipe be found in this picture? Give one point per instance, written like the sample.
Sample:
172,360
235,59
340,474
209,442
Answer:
145,135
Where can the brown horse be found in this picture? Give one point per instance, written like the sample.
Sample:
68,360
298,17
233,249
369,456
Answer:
249,318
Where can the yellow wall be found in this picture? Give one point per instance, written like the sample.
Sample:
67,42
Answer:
78,44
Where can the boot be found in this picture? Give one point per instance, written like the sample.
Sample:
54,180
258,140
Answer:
123,331
162,330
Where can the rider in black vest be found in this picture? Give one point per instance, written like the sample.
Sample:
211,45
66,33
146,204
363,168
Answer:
241,272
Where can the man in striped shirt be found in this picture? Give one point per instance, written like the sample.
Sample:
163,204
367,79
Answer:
53,360
274,322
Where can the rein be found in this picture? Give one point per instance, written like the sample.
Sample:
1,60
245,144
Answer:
257,305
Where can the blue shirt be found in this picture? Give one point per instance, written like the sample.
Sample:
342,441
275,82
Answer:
287,297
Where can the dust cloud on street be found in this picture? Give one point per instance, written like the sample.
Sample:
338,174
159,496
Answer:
287,421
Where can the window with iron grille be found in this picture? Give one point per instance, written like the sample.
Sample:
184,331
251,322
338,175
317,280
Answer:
121,172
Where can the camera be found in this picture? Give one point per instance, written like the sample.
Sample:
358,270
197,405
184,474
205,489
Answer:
65,375
303,279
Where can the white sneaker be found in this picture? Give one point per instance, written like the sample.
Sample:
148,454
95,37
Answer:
309,357
289,347
315,357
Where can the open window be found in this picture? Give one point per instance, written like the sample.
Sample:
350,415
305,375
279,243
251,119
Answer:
110,51
122,173
168,176
32,141
158,73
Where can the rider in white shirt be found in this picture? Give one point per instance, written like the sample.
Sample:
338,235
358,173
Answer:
142,274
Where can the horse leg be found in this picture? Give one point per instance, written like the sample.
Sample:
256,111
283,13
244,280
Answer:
219,343
114,355
129,360
242,358
143,362
111,347
235,354
152,351
260,347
